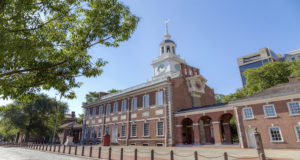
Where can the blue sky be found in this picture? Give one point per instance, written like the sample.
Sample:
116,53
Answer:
210,35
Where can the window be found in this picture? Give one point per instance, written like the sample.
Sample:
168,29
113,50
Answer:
86,132
87,114
159,144
146,132
270,111
106,130
92,132
133,104
133,130
190,72
159,98
145,144
124,106
275,134
294,108
94,112
297,130
99,132
116,107
168,49
123,129
248,114
146,101
173,49
160,129
162,49
108,109
101,111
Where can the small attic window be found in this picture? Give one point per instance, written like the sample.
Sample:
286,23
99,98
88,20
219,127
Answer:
162,49
168,49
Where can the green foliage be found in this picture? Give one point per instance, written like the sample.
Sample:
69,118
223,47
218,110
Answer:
44,43
112,91
35,118
91,97
80,119
218,98
261,78
271,74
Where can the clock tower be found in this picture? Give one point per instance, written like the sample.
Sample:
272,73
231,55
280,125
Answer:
168,62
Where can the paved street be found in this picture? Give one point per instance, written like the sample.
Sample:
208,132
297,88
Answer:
180,153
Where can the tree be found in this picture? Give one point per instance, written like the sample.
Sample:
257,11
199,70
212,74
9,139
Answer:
80,119
91,97
239,93
44,43
35,118
113,91
271,74
295,67
218,98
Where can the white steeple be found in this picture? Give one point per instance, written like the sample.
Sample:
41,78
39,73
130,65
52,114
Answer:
167,36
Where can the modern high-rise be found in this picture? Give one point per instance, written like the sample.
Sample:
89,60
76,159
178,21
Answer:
292,56
255,60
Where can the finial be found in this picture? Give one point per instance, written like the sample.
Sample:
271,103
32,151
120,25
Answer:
167,36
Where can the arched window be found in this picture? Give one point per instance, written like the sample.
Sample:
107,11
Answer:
173,49
168,49
162,49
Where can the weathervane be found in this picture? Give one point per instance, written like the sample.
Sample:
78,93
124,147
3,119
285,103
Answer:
167,21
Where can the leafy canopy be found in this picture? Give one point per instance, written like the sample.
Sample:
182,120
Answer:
44,43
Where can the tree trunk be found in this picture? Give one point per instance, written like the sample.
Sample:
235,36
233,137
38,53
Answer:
18,136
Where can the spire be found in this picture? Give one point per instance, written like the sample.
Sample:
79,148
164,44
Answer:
167,36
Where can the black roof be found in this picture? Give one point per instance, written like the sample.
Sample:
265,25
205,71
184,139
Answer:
201,108
167,41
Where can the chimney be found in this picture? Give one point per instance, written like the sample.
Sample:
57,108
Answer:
102,94
292,79
73,114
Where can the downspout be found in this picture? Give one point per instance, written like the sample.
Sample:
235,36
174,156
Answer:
170,113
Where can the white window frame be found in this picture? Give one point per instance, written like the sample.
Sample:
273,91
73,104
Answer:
134,105
124,106
297,136
163,129
99,131
275,113
108,109
271,139
148,130
288,104
146,105
116,108
156,98
135,130
244,113
122,130
101,109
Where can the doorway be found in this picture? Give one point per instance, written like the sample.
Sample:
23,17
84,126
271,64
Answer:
114,135
251,138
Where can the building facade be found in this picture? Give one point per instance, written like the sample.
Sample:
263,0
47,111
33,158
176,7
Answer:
143,114
255,60
293,55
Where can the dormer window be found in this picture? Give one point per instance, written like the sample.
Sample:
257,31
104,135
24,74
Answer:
162,49
168,49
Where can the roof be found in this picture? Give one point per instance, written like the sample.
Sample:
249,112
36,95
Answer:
278,90
70,124
201,108
167,41
293,52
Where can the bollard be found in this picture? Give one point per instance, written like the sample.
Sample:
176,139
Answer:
50,148
58,148
259,145
47,148
152,154
82,152
225,156
54,148
121,154
75,150
135,154
99,153
70,149
196,155
91,150
64,150
171,155
109,153
43,147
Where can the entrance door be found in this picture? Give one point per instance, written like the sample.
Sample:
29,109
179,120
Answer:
114,135
251,138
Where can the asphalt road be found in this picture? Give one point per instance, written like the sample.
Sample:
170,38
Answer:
12,153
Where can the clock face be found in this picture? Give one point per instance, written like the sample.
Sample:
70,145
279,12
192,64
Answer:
177,67
161,68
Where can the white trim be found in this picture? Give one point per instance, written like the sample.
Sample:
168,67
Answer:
238,127
281,136
264,108
144,101
116,103
148,130
135,130
122,131
157,128
132,104
226,107
215,122
288,105
195,124
244,113
297,136
144,139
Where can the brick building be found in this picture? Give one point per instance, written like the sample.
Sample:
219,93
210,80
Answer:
177,108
